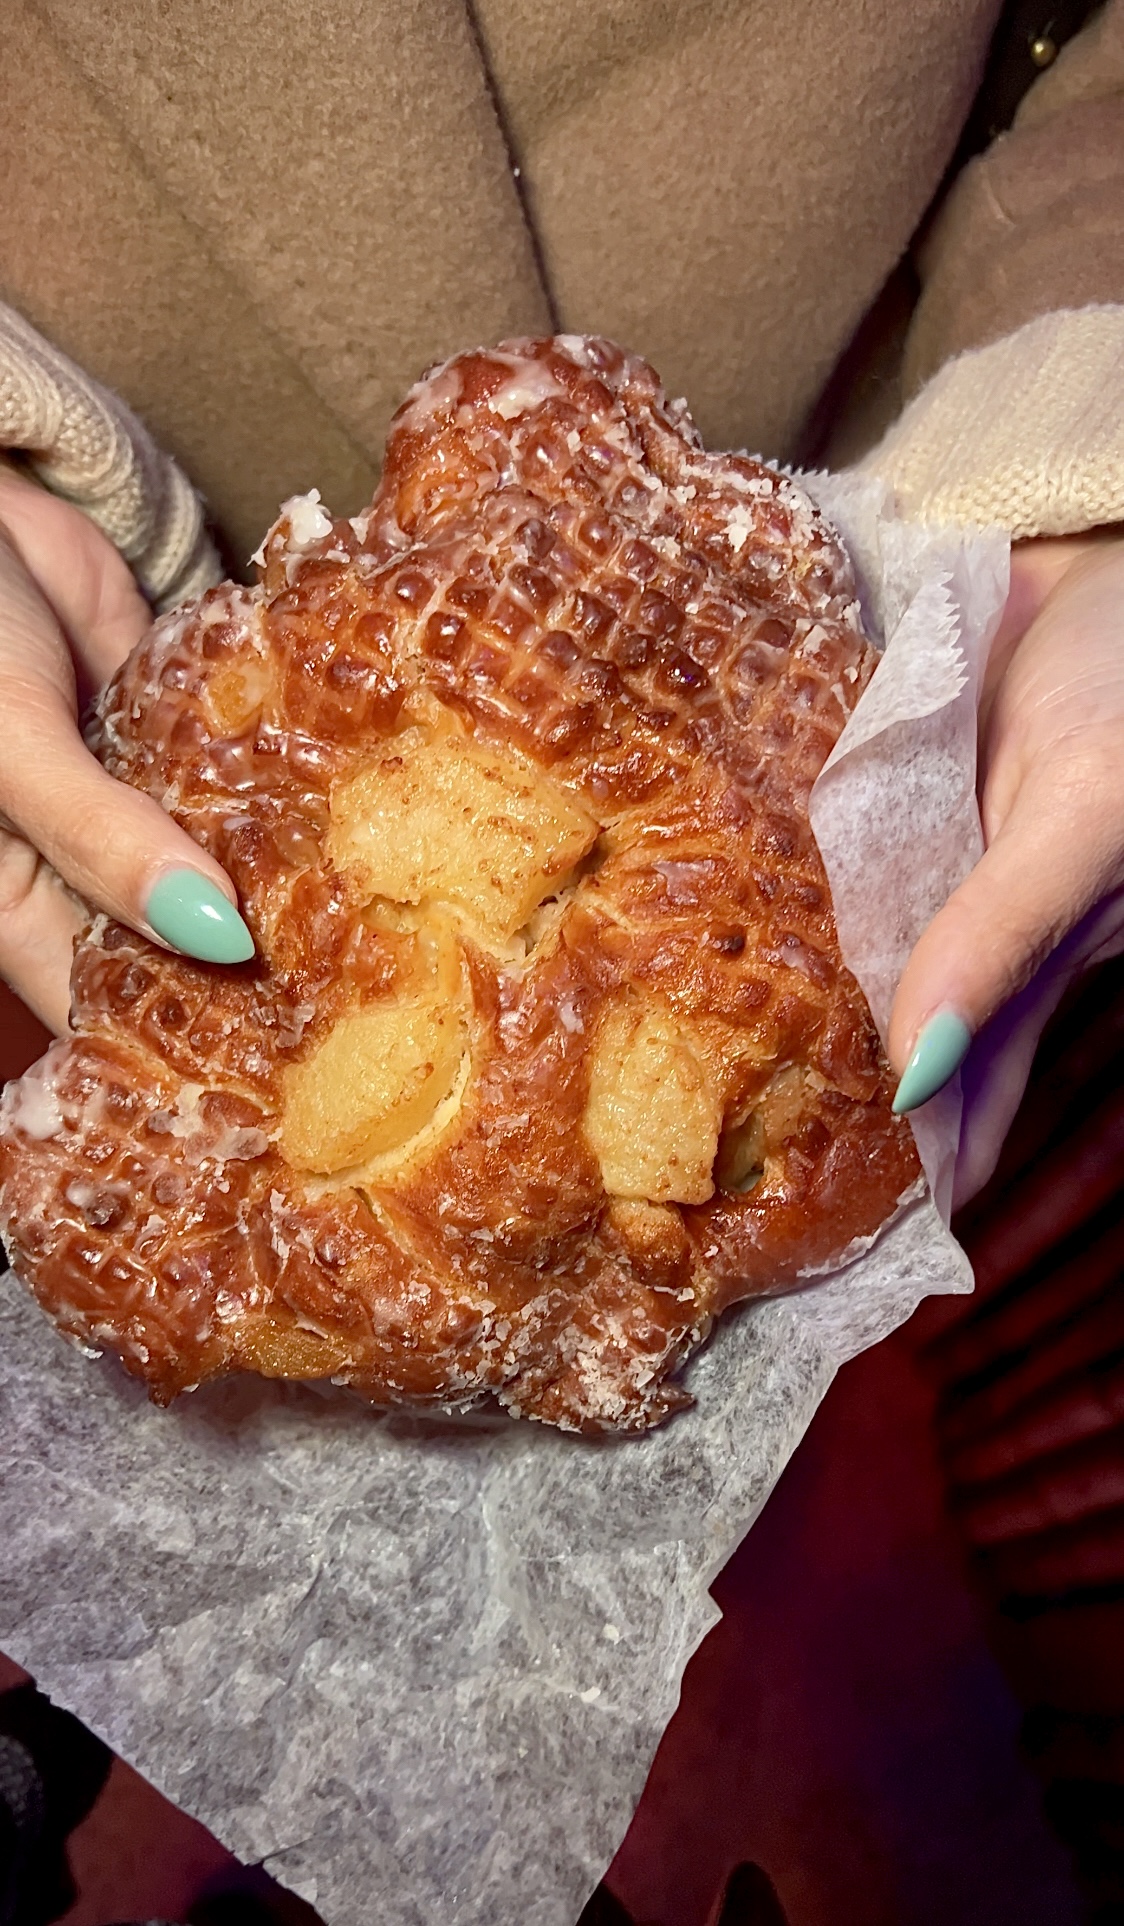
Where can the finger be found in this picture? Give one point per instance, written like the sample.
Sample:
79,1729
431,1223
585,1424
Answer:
1055,856
39,921
114,846
80,575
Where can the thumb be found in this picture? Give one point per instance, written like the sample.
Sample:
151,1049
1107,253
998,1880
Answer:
1054,858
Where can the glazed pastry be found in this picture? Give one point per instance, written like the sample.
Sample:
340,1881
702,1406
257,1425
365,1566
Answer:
547,1055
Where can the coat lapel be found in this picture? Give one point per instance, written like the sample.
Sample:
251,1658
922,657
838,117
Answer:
338,173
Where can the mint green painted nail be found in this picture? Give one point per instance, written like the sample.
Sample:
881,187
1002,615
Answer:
940,1050
192,915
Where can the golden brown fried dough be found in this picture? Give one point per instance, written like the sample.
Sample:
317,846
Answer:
548,1054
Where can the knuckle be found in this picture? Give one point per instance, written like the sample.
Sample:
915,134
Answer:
1085,764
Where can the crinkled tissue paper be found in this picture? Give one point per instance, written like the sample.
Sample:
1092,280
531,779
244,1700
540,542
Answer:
419,1669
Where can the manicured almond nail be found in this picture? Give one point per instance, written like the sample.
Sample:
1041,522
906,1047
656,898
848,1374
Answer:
192,915
938,1053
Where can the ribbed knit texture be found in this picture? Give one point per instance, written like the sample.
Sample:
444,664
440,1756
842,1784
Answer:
1026,433
84,444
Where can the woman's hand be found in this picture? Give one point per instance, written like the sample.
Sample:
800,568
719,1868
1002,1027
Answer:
70,836
1047,898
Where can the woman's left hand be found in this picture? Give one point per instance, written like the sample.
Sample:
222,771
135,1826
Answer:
1046,899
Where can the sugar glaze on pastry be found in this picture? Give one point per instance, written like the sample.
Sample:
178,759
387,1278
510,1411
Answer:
548,1054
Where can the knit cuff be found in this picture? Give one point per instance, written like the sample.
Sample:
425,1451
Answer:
1026,433
84,444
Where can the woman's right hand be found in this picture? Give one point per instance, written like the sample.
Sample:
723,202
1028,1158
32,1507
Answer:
71,837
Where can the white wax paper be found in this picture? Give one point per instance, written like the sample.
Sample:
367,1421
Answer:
420,1669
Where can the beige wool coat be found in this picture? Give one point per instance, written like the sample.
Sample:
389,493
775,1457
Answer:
257,221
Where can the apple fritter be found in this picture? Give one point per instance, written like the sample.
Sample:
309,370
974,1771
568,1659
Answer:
547,1054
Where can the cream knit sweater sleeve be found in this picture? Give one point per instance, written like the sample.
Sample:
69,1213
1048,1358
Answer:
84,444
1015,354
1026,432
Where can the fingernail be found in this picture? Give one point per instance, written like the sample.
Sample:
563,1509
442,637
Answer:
192,915
938,1053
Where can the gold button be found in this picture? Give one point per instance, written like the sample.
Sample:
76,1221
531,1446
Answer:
1043,50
